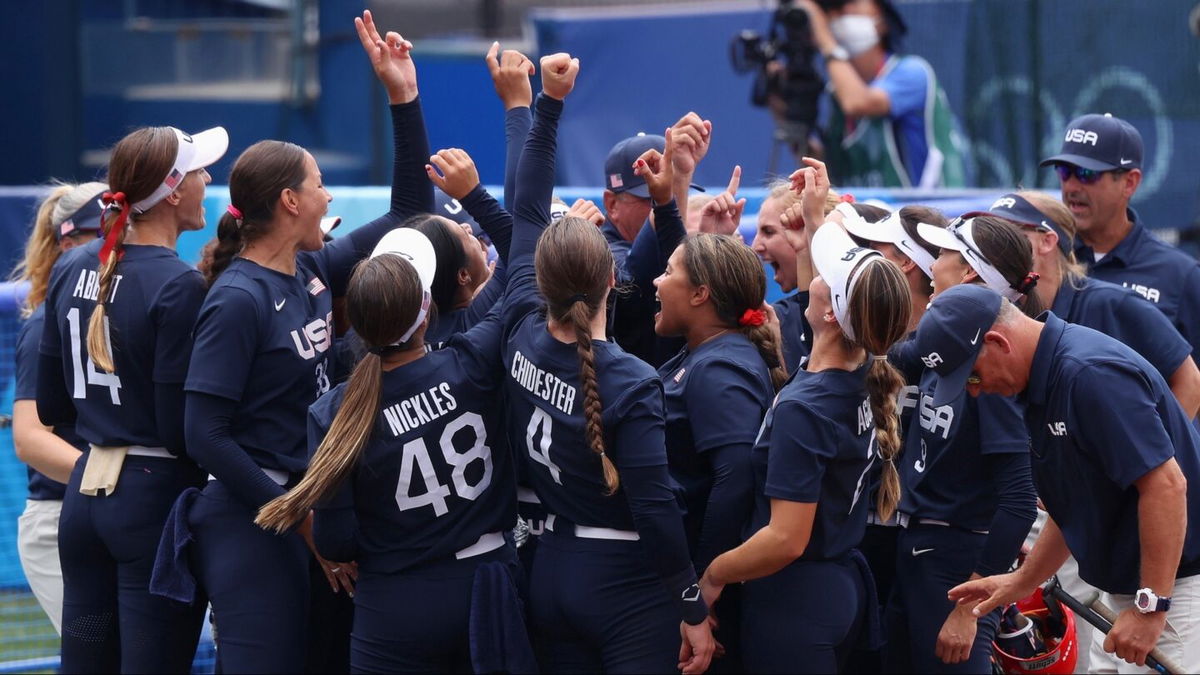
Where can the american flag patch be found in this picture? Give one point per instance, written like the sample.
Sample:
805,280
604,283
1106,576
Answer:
66,228
315,287
614,180
679,375
173,179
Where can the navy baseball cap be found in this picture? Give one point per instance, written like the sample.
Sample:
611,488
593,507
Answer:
449,207
1100,143
618,166
1015,208
950,336
85,219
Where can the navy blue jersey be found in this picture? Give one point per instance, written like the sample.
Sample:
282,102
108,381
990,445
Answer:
794,329
433,477
151,310
264,339
816,445
1100,417
28,340
942,468
716,397
1127,316
1161,273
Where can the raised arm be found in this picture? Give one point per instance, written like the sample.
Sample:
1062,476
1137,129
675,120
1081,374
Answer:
654,245
692,136
510,71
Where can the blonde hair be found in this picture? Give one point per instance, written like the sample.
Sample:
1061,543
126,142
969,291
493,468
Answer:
42,249
781,189
1072,270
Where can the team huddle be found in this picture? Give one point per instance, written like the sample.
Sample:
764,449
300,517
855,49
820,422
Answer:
605,452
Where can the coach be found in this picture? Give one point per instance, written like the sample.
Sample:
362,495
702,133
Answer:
1112,456
1100,169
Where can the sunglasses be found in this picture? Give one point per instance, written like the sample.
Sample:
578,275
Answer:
1085,176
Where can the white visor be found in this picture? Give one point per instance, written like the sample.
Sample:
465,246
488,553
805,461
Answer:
840,262
557,211
193,152
411,245
959,236
890,230
329,224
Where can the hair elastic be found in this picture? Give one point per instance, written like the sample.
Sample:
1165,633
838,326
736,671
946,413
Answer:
118,225
879,357
578,297
846,197
752,317
1028,283
234,211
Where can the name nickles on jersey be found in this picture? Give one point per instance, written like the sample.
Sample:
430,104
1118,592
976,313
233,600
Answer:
542,384
88,285
421,409
315,338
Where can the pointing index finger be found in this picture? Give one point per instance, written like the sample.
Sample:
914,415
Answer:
492,63
735,180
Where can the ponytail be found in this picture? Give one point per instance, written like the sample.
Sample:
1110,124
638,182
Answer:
113,227
1031,303
883,385
579,317
753,325
41,251
219,252
338,453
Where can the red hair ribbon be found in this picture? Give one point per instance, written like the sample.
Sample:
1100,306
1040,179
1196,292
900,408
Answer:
847,197
117,226
1029,282
753,317
234,211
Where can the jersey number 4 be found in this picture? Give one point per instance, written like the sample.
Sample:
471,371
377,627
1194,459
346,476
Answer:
94,377
541,421
417,466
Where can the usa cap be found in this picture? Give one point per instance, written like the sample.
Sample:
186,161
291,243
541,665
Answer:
1100,143
1016,209
891,230
950,336
415,247
840,262
618,166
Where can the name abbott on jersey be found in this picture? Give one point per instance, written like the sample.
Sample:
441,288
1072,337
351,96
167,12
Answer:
88,285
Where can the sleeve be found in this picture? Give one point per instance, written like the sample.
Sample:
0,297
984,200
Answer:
659,524
725,405
1001,425
517,122
730,501
494,220
169,404
226,344
26,360
412,193
482,354
531,207
654,245
54,403
488,297
638,424
903,355
1015,512
174,312
208,423
1153,335
906,86
1115,417
802,445
335,525
1187,318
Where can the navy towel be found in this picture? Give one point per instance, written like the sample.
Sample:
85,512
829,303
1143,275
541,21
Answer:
872,628
172,576
499,642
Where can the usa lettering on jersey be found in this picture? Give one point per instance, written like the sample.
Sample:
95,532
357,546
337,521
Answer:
545,386
316,337
420,409
1151,294
87,286
937,420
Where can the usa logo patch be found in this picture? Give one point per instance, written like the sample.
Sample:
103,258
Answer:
315,287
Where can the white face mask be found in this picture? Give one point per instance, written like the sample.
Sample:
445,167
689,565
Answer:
855,32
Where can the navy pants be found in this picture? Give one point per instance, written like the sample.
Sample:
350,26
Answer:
258,584
596,605
107,545
878,545
930,560
417,621
805,618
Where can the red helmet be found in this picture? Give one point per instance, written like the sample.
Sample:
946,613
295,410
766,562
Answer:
1059,648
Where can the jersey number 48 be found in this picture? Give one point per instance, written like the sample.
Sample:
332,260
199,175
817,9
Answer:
416,466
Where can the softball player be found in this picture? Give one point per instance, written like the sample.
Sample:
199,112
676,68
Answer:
68,217
986,250
806,598
114,354
587,419
262,357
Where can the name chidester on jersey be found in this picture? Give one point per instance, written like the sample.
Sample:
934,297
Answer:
420,409
545,386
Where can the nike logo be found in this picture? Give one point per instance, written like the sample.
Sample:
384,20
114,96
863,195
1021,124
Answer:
917,552
976,338
279,305
1126,161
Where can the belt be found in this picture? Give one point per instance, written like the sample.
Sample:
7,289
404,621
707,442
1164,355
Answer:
904,520
143,451
280,477
487,542
527,496
588,532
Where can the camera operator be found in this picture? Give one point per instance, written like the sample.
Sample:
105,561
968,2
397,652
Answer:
882,131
